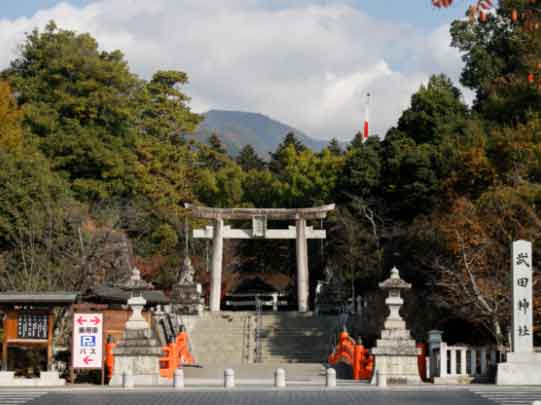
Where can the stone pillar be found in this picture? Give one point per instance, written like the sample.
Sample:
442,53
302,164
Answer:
229,378
279,378
216,268
473,362
330,378
302,266
443,360
178,379
452,353
493,359
483,361
463,362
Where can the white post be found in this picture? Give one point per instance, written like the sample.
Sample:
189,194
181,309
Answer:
178,379
428,368
330,378
483,361
229,378
279,378
302,266
452,353
443,359
127,379
463,368
473,361
381,379
216,270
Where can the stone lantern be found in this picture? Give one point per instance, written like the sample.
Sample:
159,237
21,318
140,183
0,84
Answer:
395,353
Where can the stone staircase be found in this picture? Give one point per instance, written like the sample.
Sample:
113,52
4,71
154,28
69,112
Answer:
290,340
291,337
223,338
285,337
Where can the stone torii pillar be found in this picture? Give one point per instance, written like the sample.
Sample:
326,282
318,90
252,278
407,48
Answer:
216,266
302,266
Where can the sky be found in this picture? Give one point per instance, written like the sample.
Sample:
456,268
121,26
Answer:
307,63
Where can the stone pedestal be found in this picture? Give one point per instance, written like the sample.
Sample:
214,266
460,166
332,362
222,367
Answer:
520,369
395,353
138,353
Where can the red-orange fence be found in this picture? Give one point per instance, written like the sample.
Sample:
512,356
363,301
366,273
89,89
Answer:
176,353
352,353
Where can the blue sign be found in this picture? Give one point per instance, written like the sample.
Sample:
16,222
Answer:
88,341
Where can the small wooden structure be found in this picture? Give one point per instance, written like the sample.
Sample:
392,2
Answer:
29,320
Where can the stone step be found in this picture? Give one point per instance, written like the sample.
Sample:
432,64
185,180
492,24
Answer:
258,371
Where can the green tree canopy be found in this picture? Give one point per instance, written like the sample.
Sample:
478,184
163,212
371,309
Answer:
435,109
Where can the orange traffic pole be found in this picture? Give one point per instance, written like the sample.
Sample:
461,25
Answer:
109,356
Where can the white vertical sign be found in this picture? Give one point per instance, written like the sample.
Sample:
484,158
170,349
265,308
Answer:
87,340
521,256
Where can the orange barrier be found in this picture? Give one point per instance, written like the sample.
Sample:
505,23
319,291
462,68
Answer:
176,353
354,354
169,362
183,349
109,357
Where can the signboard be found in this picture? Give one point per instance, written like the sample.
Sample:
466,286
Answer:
32,326
521,256
259,226
87,340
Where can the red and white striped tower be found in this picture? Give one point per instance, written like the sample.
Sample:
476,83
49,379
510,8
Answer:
366,128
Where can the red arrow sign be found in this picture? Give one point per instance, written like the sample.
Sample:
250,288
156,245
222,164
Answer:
95,321
88,360
81,320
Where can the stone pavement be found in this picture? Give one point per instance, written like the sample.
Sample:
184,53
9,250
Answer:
249,395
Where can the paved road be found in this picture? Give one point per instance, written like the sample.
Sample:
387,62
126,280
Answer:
475,395
19,397
509,395
248,397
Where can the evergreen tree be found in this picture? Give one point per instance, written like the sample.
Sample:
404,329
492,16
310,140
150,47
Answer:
435,109
357,142
215,144
334,147
249,160
277,158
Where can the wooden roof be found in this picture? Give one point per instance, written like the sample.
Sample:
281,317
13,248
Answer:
37,298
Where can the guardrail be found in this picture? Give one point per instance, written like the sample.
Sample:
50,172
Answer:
453,362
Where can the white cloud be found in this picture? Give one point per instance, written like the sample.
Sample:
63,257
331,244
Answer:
305,63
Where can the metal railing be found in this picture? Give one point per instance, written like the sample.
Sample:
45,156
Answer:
258,327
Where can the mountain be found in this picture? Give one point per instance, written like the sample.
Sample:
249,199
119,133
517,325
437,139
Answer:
237,129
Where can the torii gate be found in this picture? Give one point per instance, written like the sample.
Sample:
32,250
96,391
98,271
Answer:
259,230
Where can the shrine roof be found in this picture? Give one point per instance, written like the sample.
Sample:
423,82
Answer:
270,213
113,294
46,298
